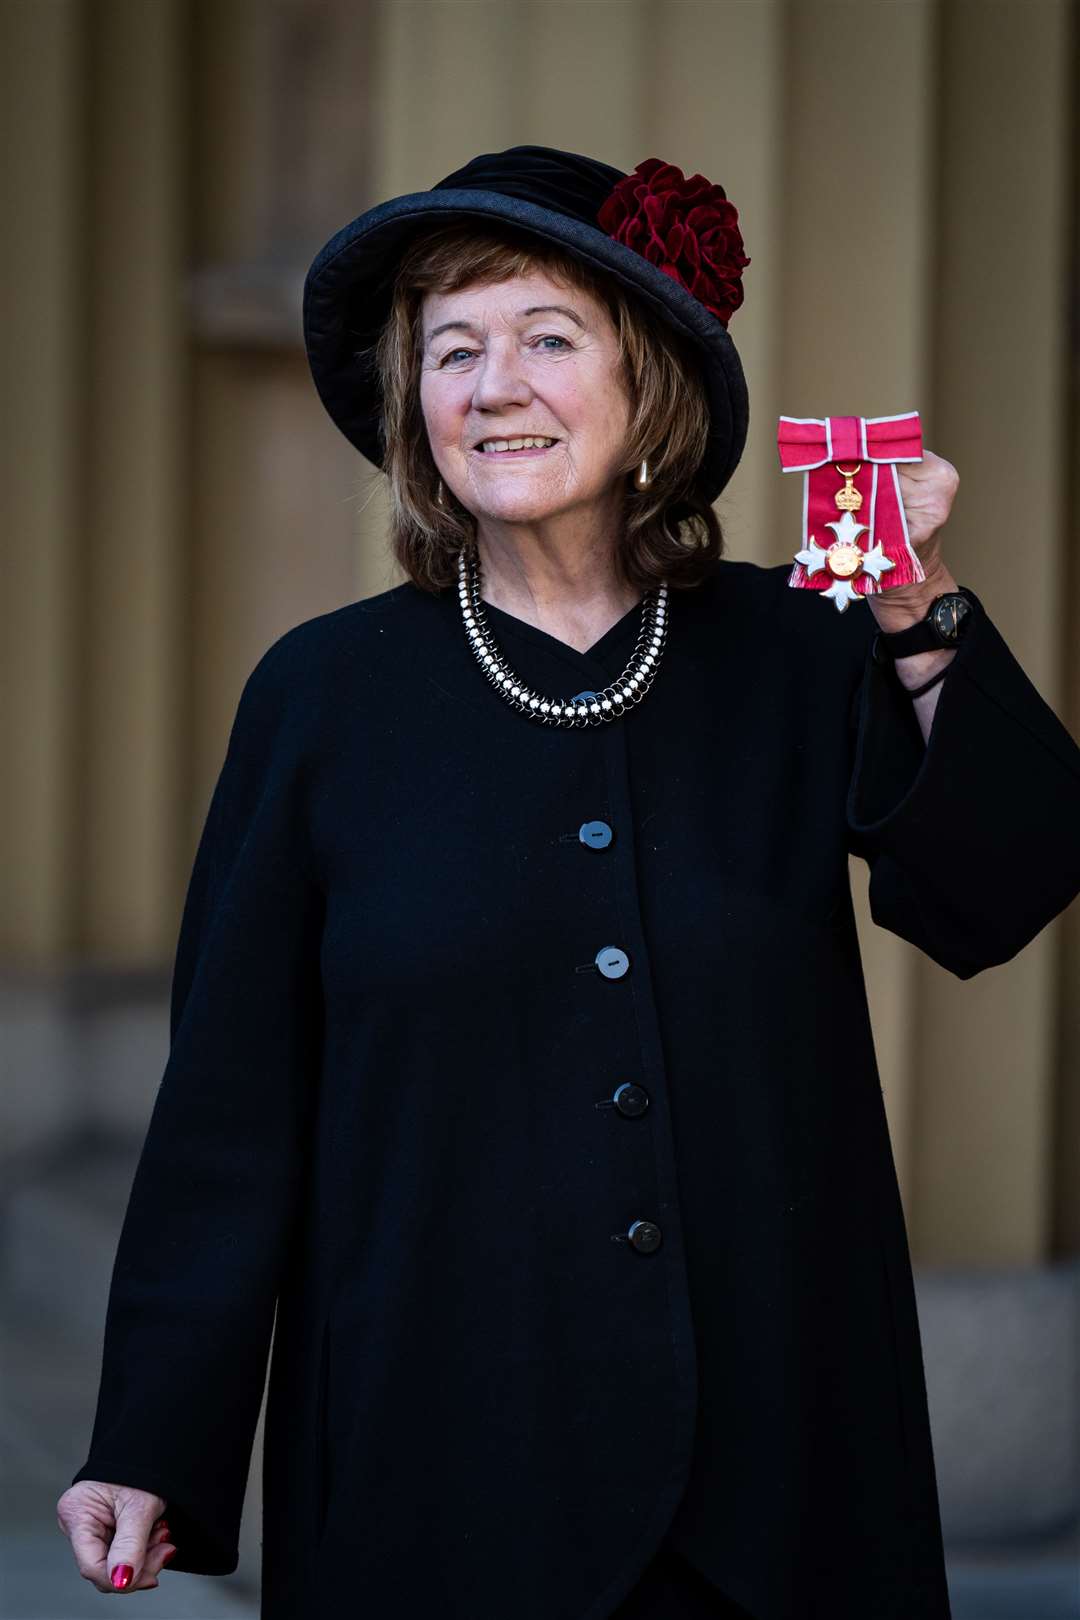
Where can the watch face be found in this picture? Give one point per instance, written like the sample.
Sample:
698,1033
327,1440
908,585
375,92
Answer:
949,614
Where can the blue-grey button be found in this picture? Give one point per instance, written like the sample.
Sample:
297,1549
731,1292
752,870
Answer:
645,1236
631,1100
595,834
612,962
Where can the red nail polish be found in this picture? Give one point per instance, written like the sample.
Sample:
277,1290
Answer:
169,1556
122,1576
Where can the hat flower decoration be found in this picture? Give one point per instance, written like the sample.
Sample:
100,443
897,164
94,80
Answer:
687,227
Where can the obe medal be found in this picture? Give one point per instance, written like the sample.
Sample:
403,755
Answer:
871,550
845,559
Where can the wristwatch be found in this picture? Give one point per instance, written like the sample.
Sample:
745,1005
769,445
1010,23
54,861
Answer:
944,626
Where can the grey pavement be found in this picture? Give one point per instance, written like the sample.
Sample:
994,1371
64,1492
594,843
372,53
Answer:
47,1390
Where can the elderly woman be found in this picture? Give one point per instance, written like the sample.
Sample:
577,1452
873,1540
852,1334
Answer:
520,1054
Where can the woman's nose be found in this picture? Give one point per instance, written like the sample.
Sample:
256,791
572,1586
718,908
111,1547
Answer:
500,379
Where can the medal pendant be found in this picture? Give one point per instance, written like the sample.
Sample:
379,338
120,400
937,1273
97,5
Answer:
845,560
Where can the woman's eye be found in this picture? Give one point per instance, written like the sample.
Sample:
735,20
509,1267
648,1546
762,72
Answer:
457,356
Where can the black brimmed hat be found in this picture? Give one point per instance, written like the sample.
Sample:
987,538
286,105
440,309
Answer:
672,241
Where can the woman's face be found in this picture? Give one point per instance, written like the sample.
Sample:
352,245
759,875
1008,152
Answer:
525,358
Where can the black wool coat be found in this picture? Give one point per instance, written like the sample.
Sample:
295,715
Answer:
458,1000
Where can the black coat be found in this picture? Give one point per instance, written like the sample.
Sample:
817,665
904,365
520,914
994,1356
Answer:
393,1105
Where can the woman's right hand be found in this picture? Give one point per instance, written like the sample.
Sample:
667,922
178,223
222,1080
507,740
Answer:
114,1525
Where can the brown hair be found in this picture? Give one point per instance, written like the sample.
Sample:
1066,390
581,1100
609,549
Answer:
672,531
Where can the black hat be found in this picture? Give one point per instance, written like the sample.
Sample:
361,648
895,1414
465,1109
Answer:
673,241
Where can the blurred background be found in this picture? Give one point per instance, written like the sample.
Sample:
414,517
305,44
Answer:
907,174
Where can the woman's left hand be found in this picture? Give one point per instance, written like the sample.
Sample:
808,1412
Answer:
927,489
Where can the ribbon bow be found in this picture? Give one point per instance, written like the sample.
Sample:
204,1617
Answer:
841,457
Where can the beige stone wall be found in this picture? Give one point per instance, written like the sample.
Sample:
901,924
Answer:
906,175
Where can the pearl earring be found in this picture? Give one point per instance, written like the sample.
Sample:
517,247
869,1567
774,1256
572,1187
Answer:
642,478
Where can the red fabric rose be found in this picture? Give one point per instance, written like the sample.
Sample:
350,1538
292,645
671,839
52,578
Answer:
687,228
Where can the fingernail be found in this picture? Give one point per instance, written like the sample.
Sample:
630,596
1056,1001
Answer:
169,1556
122,1576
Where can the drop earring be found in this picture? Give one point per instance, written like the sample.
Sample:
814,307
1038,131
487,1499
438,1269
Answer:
642,478
439,494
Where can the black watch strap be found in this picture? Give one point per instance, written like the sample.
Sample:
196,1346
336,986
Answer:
944,625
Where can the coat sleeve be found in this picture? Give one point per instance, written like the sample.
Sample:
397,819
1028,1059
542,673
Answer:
973,837
215,1197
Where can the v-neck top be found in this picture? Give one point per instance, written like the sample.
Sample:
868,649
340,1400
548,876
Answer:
623,631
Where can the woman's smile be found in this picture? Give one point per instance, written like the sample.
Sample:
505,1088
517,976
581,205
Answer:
528,447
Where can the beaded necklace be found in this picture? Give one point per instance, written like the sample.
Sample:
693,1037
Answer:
614,700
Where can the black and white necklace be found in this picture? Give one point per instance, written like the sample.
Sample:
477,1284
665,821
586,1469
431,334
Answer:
590,710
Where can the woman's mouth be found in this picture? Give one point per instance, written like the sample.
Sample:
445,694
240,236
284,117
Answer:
532,445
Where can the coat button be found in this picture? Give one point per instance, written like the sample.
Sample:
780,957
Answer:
595,834
631,1100
645,1236
612,962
